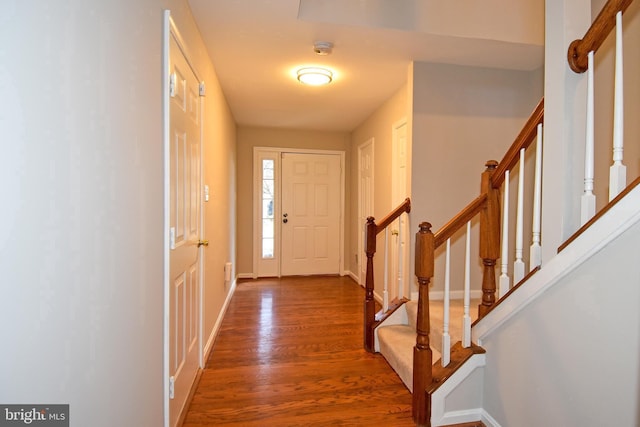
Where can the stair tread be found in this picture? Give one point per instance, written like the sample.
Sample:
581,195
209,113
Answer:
397,341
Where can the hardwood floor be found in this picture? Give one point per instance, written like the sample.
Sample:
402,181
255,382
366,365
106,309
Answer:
290,353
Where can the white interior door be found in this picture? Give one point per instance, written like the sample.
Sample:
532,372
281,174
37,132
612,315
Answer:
184,261
310,214
365,201
399,249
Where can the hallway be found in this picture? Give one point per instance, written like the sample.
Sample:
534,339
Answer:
289,353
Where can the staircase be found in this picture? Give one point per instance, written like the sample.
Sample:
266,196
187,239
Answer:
395,341
523,373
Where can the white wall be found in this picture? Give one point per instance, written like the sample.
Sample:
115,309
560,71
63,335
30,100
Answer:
570,358
81,246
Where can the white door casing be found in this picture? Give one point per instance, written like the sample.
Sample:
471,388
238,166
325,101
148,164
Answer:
184,276
365,201
399,243
310,214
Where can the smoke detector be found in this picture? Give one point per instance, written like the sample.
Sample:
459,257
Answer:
322,48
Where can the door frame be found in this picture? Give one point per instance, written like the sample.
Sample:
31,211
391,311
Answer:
361,249
170,30
395,178
258,154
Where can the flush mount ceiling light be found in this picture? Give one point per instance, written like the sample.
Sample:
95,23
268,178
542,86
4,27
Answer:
314,76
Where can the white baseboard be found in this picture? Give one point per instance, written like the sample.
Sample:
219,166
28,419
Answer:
439,295
352,275
216,327
245,276
488,420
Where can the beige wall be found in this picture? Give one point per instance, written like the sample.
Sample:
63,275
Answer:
219,173
462,117
379,127
250,137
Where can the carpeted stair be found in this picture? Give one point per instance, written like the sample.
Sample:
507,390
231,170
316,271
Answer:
396,342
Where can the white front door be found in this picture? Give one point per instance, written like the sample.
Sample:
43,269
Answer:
184,261
365,201
310,214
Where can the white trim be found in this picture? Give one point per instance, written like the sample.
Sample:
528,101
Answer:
216,327
259,264
353,276
166,219
377,297
439,416
404,232
439,295
245,276
488,420
361,249
280,150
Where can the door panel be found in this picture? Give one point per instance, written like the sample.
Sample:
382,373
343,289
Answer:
399,250
310,214
184,212
365,201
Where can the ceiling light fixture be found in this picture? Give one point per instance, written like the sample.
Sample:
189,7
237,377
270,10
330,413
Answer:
314,76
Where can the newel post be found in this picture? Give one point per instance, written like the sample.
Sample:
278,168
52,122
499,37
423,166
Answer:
422,355
369,302
489,238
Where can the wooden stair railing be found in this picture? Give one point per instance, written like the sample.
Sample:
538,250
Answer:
487,206
372,231
581,57
595,35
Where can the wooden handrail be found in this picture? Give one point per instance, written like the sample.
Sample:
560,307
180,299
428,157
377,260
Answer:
387,220
372,230
458,221
524,139
595,35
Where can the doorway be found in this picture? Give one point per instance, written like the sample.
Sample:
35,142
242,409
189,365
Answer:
298,212
400,229
365,202
183,209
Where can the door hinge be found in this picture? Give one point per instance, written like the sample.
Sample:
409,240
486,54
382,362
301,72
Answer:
172,387
202,89
172,85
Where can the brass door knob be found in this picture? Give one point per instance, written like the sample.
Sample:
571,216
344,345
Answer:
203,243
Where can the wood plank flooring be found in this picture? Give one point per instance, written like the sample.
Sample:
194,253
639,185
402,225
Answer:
290,353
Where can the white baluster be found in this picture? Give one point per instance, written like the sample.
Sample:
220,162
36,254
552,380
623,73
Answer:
466,318
535,251
618,171
505,281
588,201
446,339
385,291
518,264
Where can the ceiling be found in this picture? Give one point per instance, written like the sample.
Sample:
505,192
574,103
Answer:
256,45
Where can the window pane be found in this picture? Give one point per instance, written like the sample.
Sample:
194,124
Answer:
267,208
268,189
267,228
267,248
267,169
